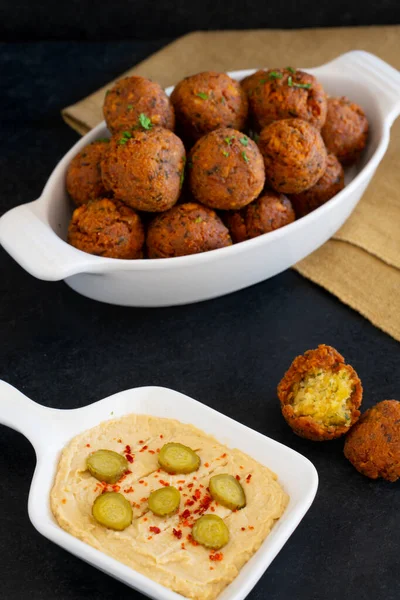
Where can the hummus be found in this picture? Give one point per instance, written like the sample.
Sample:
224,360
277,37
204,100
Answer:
161,547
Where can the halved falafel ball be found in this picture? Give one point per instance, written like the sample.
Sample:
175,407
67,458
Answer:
107,228
135,102
320,394
345,131
208,101
186,229
145,169
373,444
294,155
269,212
226,170
284,93
84,182
330,184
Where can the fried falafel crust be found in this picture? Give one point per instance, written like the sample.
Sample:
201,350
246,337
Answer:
373,444
325,358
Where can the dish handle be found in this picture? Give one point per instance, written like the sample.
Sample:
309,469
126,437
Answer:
34,421
377,74
26,235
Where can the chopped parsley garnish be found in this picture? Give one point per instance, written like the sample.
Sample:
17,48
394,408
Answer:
198,220
291,83
107,92
202,95
145,122
275,75
103,140
305,86
125,137
245,157
225,153
222,100
228,140
262,81
291,70
190,164
244,141
130,106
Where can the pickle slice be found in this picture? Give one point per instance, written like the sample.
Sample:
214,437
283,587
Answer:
210,531
226,490
112,510
177,458
107,465
165,501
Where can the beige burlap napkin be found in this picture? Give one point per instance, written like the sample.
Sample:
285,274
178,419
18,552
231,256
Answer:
361,264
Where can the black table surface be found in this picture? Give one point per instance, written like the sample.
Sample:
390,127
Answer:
66,351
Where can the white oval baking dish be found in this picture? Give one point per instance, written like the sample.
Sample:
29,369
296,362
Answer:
49,430
34,234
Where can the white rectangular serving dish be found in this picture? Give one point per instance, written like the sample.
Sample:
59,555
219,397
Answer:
35,233
49,430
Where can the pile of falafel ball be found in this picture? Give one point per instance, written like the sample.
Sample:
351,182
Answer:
219,162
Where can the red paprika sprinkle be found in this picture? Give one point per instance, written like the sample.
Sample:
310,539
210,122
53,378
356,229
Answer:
161,436
218,556
251,528
190,485
180,481
87,445
177,533
206,465
119,441
189,503
127,450
237,477
150,537
141,481
243,528
197,494
183,546
152,451
180,488
212,508
143,449
185,514
155,530
145,519
164,483
129,458
141,441
248,478
64,501
129,490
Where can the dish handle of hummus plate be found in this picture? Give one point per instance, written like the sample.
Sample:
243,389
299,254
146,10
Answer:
377,74
29,239
34,421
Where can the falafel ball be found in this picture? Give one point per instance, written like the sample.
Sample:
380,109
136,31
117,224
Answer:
269,212
345,131
284,93
84,182
208,101
107,228
373,445
145,169
294,155
186,229
320,394
132,101
226,170
330,184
